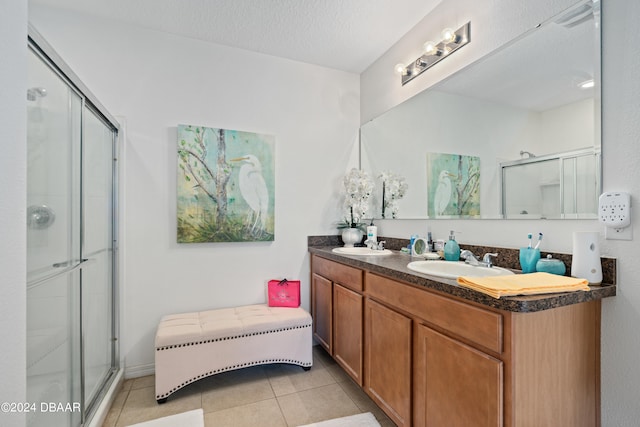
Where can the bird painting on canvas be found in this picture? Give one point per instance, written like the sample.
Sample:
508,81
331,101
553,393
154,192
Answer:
442,197
453,182
226,185
253,189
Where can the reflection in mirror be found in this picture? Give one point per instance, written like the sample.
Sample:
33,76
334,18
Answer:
557,186
518,106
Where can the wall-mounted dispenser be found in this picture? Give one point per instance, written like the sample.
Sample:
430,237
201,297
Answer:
585,262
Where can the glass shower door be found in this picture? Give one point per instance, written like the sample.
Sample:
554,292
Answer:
71,245
54,260
97,249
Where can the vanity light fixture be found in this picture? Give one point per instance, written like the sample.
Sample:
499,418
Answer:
449,36
435,52
587,84
431,48
401,69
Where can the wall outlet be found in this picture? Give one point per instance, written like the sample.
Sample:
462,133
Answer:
614,209
618,233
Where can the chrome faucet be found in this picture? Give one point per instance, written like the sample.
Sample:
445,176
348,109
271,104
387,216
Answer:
375,246
487,259
471,259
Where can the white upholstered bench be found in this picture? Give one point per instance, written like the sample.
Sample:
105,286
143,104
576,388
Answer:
192,346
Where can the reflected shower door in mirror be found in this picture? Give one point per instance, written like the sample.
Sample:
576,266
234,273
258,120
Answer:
563,186
537,96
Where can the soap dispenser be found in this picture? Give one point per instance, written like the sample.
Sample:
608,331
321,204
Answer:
452,249
372,233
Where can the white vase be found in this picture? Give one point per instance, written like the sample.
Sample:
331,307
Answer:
350,236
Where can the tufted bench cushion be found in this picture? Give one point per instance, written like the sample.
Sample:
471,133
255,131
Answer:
191,346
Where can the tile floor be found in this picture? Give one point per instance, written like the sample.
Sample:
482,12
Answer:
260,396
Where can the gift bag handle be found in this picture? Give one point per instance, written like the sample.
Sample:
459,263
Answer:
283,282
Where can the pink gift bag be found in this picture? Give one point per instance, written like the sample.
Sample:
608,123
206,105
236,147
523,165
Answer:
284,293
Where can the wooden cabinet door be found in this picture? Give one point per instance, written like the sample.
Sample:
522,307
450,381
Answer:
388,361
454,384
347,331
321,311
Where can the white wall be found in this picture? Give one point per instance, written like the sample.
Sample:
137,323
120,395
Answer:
13,197
157,81
493,23
621,156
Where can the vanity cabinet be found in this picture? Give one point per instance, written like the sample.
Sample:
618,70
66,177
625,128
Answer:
455,384
347,341
337,311
321,311
455,379
388,344
432,359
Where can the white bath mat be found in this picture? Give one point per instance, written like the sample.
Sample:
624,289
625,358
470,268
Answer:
193,418
360,420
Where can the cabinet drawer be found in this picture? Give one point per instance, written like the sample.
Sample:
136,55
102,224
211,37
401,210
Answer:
349,277
475,324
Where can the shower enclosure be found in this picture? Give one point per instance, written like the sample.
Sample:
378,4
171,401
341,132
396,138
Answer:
72,352
561,185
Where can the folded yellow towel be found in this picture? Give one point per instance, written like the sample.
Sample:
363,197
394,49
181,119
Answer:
524,284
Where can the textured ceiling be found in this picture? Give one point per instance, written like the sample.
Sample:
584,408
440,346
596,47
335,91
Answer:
346,35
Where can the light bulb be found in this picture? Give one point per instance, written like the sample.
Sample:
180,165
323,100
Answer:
430,48
400,69
448,35
587,84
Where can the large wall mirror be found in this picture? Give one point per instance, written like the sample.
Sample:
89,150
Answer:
514,135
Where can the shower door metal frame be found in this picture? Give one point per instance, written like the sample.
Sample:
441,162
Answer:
41,48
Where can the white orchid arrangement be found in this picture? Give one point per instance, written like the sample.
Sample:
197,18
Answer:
358,187
394,187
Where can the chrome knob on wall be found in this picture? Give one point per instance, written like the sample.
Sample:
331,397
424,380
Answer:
36,92
40,217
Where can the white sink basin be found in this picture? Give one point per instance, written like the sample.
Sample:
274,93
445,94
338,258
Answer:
361,251
452,269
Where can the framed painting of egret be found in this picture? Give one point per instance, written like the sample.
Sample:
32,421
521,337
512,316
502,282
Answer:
226,185
453,186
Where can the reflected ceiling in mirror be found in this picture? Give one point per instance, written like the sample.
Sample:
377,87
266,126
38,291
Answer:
523,100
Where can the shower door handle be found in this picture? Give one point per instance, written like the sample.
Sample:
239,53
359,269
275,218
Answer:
64,268
63,264
69,263
68,268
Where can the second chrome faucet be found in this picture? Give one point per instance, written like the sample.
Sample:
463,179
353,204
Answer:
470,258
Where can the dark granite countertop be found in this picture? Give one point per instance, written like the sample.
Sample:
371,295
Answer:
395,267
